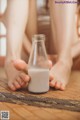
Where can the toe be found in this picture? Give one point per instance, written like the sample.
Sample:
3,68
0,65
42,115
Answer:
51,77
11,86
57,85
52,80
62,87
16,84
25,77
20,81
52,83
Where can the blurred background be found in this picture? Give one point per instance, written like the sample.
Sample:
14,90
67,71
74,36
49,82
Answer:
3,5
43,26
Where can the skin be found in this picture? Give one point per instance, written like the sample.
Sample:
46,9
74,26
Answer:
14,66
62,20
23,66
17,79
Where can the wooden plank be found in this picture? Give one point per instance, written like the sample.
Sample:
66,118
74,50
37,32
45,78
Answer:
13,114
39,114
22,112
61,114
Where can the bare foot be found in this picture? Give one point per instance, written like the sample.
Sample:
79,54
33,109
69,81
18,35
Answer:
60,74
17,74
17,78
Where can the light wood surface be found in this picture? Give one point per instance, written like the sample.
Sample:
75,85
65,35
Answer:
29,112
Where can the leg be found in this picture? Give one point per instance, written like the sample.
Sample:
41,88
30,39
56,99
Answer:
75,52
31,28
15,30
15,23
64,30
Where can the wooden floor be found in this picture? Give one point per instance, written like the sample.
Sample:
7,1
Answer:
24,111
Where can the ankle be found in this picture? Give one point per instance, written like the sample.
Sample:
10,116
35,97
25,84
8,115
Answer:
10,59
68,62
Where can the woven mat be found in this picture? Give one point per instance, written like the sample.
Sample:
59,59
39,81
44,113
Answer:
71,105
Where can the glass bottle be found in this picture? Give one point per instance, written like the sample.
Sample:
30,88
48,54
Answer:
38,67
